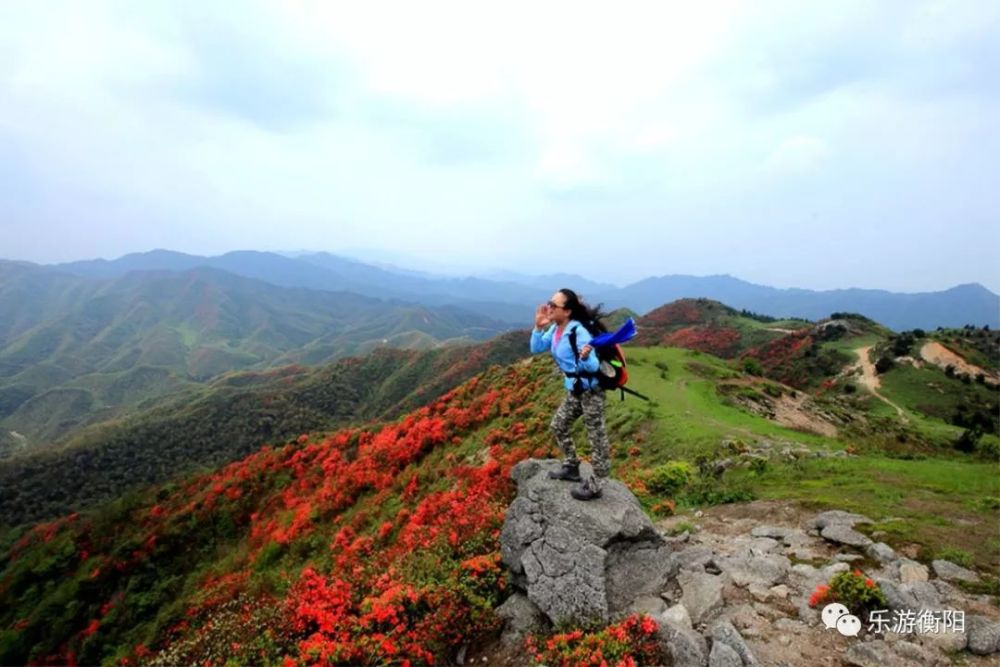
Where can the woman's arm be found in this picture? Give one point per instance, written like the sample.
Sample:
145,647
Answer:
541,341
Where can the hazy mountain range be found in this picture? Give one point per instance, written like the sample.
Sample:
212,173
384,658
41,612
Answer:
510,296
74,350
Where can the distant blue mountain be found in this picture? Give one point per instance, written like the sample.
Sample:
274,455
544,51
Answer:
510,296
965,304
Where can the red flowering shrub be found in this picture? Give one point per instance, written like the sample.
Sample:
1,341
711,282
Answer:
371,545
853,590
630,643
720,341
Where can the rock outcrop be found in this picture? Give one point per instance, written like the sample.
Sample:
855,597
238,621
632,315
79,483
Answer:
731,590
580,561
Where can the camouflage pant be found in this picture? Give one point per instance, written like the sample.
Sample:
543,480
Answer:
590,404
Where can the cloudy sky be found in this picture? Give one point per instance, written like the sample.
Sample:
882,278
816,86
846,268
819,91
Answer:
789,143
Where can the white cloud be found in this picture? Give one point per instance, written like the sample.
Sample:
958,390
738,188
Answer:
494,132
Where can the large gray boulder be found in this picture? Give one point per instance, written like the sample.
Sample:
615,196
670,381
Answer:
580,561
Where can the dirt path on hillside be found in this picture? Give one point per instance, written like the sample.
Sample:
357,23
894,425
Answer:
937,354
869,378
793,413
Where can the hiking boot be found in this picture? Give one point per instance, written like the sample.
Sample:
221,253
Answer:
569,472
588,490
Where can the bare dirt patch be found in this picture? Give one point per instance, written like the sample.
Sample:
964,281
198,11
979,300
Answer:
939,355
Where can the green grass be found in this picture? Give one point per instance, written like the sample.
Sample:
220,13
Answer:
937,503
850,344
929,390
687,417
933,497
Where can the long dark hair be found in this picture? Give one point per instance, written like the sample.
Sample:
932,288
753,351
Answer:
588,316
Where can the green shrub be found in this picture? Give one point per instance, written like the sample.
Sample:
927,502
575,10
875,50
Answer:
707,490
670,477
968,441
989,449
773,390
884,365
759,464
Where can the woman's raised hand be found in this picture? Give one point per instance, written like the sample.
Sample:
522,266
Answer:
542,316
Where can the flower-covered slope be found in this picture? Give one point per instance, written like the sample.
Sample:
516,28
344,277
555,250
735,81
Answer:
708,326
363,546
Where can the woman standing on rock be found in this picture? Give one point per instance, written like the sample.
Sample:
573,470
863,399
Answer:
565,326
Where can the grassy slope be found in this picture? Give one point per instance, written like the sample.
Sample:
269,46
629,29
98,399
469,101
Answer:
119,343
935,498
941,499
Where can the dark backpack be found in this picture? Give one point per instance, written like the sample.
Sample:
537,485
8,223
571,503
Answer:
612,373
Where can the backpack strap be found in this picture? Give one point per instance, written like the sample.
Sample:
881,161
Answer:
578,384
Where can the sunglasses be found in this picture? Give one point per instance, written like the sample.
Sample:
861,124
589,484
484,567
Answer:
555,305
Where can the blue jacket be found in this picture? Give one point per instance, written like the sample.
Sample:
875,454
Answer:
563,351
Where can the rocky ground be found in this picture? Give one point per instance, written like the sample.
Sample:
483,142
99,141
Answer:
731,589
756,564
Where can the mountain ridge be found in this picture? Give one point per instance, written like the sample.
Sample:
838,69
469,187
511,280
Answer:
967,303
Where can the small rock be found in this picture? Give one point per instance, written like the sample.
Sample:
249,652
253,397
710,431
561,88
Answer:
780,591
723,655
766,570
693,557
521,617
983,634
702,595
762,545
951,572
685,647
844,534
759,592
677,615
835,568
947,641
724,632
915,654
878,653
847,558
881,552
796,537
916,596
784,640
911,572
651,605
824,519
742,616
774,532
948,593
